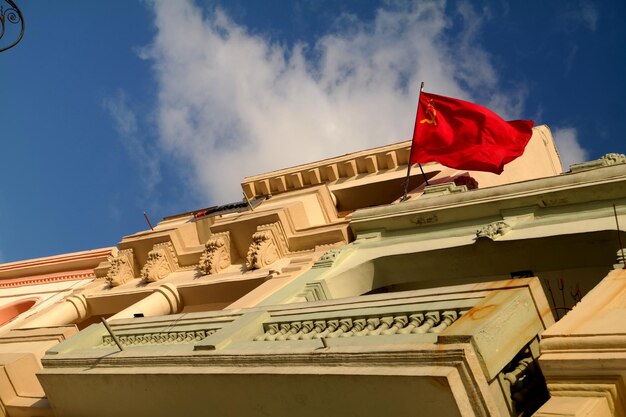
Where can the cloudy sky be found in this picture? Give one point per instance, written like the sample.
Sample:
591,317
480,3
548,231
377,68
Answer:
110,109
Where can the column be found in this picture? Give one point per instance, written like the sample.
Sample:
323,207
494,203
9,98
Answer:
73,309
163,301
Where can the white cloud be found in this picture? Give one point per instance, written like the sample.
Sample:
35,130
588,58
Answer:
589,15
582,13
570,151
232,104
128,129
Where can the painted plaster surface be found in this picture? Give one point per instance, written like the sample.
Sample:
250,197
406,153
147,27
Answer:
265,301
584,355
436,347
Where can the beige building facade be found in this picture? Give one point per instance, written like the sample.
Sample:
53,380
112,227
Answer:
325,292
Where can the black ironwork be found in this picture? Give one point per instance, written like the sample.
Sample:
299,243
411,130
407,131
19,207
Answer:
12,15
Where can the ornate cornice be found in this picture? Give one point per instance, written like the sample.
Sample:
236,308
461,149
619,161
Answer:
408,323
269,244
329,258
47,279
216,255
162,261
52,265
122,268
138,339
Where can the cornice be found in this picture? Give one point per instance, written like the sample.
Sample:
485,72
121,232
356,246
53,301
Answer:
366,162
48,278
544,192
54,265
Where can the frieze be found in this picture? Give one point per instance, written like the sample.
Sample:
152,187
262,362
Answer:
425,220
162,261
216,255
46,279
158,338
443,189
402,323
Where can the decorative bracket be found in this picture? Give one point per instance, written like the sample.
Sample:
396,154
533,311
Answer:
122,269
328,258
494,230
216,255
162,261
269,244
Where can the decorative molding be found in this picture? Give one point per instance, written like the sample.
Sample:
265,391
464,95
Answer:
443,189
607,160
610,387
158,338
269,244
162,261
403,323
494,230
371,161
216,255
47,279
122,268
328,259
315,291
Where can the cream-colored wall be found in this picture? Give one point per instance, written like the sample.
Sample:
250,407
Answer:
46,295
540,159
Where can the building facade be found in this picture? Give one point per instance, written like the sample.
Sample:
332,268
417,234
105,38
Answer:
326,292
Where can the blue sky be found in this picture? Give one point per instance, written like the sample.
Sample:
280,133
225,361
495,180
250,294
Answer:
110,109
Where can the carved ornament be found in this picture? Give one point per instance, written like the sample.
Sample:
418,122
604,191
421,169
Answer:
402,323
162,261
494,230
122,268
159,338
269,244
315,291
328,258
606,160
216,254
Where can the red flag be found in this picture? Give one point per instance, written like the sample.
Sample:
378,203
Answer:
464,135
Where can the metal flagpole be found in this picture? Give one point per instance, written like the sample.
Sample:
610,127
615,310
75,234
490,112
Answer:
408,170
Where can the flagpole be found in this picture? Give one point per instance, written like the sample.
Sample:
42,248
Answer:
408,170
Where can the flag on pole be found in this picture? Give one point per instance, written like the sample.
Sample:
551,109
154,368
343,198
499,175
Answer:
464,135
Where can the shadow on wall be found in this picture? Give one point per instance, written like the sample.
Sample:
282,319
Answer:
11,311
